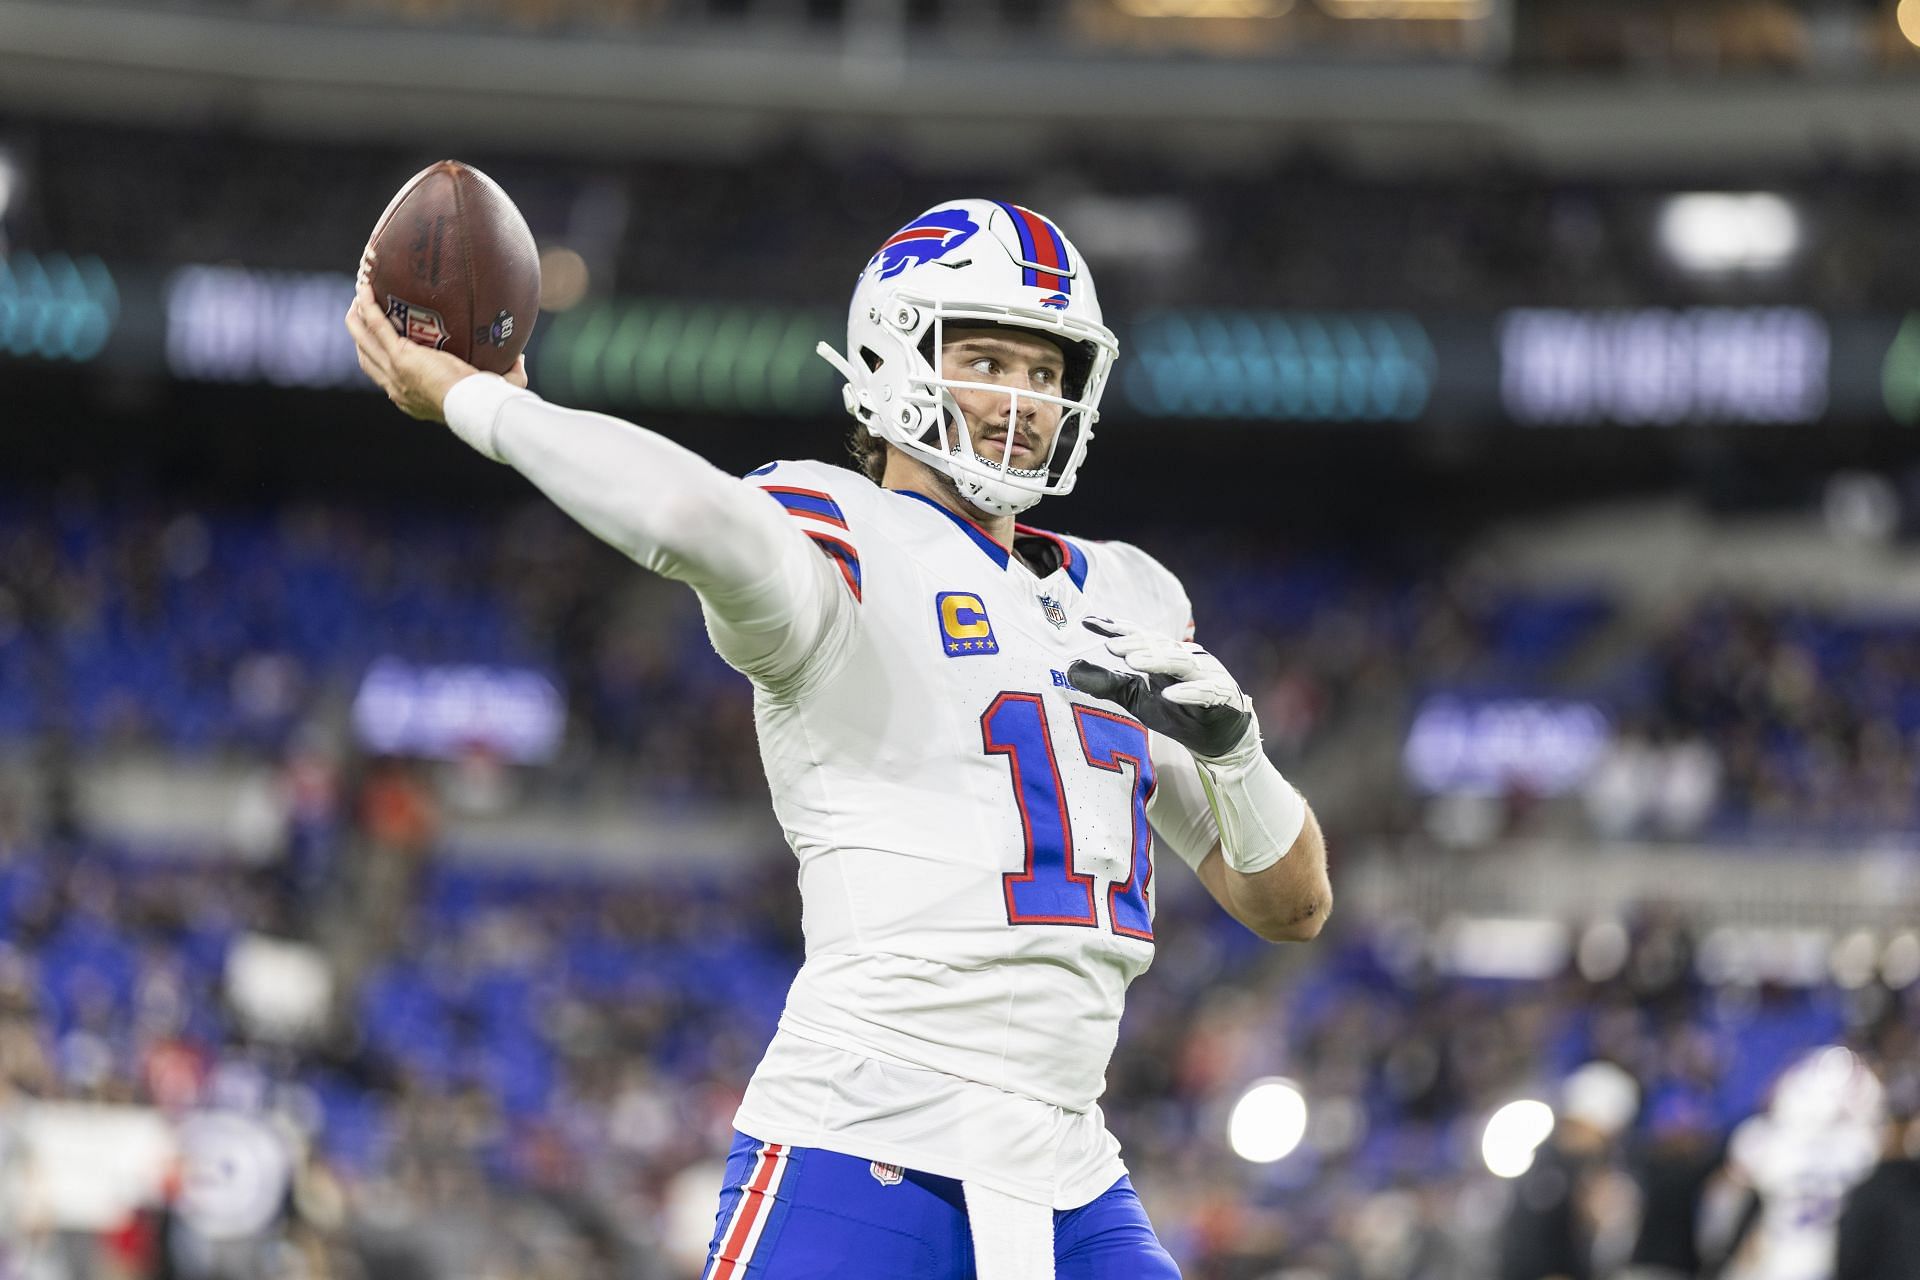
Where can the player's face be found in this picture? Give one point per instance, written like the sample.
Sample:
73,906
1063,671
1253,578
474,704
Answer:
1019,362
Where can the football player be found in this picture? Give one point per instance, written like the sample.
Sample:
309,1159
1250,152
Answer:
1818,1138
973,731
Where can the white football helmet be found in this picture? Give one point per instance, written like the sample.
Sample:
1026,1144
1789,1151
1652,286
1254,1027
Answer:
1829,1089
973,264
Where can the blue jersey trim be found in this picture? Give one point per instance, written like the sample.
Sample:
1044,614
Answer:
997,553
808,502
1072,558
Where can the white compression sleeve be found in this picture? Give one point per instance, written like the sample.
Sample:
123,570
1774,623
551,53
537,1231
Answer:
772,600
1181,814
1259,812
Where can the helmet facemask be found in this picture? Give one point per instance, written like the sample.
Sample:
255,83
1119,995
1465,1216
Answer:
984,471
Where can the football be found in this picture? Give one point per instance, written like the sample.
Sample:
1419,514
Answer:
455,267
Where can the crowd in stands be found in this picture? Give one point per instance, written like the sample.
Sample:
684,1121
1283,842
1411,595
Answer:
534,1067
529,1074
234,635
516,1086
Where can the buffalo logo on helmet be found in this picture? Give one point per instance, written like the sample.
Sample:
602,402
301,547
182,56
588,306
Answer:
416,323
928,238
1058,302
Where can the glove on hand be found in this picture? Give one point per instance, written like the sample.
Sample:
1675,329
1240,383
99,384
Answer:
1171,687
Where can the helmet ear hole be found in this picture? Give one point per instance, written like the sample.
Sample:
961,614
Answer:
873,358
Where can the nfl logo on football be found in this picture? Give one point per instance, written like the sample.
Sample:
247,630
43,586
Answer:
1055,611
418,324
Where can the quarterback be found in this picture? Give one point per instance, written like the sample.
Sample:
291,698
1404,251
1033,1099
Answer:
977,735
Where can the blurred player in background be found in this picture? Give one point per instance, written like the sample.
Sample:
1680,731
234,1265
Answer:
1879,1231
967,725
1818,1138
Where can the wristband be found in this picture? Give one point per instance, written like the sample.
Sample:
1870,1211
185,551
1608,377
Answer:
1258,811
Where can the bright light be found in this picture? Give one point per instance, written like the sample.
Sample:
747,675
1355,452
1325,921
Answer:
563,278
1908,15
1716,231
1203,8
1861,507
9,179
1513,1133
1449,10
1900,963
1267,1122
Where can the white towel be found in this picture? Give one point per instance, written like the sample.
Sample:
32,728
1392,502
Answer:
1012,1239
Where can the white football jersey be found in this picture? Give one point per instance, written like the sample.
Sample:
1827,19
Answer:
976,863
1801,1175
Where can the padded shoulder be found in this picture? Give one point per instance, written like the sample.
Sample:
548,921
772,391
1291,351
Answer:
1138,587
844,485
828,502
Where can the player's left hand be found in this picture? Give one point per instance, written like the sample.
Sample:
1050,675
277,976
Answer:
1172,687
415,378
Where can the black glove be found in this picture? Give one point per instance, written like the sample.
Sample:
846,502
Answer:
1172,687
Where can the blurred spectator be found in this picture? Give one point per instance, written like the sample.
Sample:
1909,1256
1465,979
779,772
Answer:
399,824
1879,1235
1645,788
1673,1168
1561,1203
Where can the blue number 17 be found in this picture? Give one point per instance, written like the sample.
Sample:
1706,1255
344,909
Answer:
1047,889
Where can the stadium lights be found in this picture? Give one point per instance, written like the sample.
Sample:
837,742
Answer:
1268,1121
1203,8
1900,962
1514,1133
1908,16
55,307
1418,10
563,278
1714,232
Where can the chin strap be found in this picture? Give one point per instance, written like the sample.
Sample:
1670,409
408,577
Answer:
973,489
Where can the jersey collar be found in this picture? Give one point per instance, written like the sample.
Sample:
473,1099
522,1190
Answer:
1072,559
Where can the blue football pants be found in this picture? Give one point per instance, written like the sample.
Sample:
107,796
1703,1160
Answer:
799,1213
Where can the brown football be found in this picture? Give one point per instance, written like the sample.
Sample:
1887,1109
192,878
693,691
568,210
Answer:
455,267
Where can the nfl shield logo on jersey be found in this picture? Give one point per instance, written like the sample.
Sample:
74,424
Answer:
1055,611
887,1175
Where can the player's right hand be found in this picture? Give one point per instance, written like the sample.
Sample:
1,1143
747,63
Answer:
1173,687
415,378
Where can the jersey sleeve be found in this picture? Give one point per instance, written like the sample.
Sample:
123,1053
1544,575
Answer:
775,609
815,500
